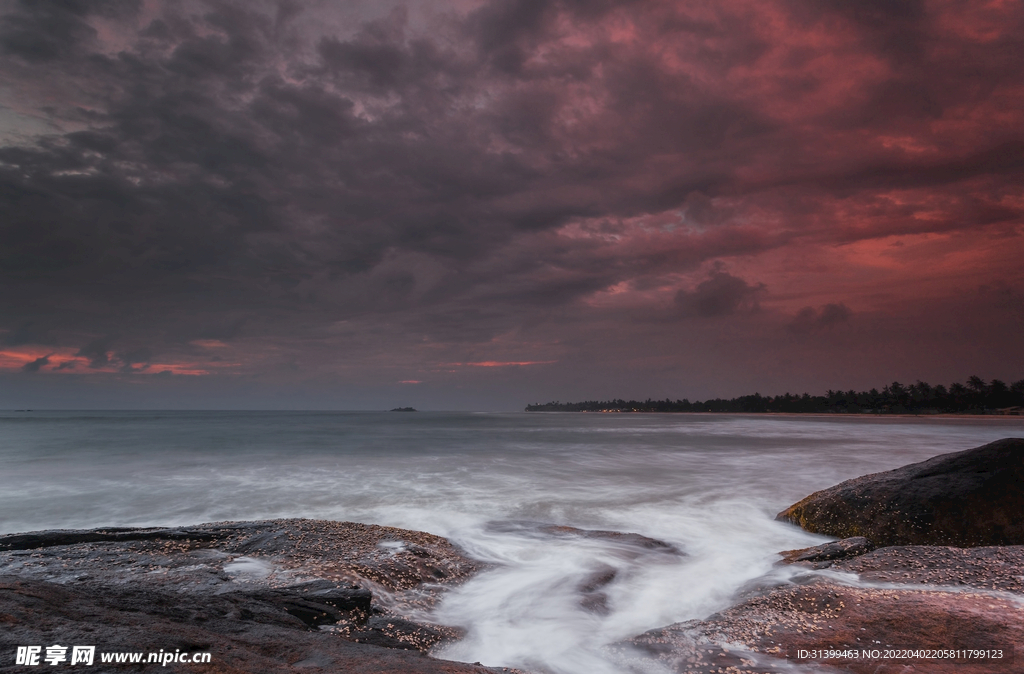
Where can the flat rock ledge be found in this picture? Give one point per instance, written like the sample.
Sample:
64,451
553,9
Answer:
273,596
822,556
905,597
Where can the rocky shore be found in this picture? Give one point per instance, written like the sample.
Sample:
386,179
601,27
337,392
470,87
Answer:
277,596
892,593
933,560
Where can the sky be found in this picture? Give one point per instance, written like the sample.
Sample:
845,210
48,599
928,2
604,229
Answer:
479,204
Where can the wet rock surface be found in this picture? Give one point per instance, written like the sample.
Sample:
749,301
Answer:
967,499
401,566
822,556
629,544
276,596
677,648
766,633
625,539
592,595
997,568
949,576
242,633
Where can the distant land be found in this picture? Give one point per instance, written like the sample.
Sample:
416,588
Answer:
975,397
404,409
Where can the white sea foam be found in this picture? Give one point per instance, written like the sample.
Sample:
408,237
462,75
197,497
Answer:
708,485
245,568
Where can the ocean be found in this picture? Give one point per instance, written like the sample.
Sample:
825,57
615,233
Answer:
709,485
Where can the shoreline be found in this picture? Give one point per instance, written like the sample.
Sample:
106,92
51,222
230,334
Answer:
810,415
352,591
909,572
907,609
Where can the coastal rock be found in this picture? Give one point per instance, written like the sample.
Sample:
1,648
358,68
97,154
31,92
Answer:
592,595
54,537
320,602
242,634
629,543
907,598
829,552
965,499
390,631
283,595
765,632
904,602
996,569
626,539
286,551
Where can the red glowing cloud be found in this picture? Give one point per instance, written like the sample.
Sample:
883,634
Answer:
497,363
674,198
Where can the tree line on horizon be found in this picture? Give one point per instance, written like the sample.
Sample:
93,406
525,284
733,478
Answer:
975,397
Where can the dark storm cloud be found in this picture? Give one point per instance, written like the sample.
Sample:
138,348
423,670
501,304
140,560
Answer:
1003,296
47,30
181,189
229,171
27,333
33,366
135,360
721,295
97,351
810,319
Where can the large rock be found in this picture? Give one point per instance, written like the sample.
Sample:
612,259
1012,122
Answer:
964,499
275,596
277,551
243,633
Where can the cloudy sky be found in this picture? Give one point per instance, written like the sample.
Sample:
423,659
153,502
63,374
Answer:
477,204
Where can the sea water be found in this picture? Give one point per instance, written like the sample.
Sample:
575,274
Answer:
710,485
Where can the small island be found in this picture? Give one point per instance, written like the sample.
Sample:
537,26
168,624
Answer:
404,409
